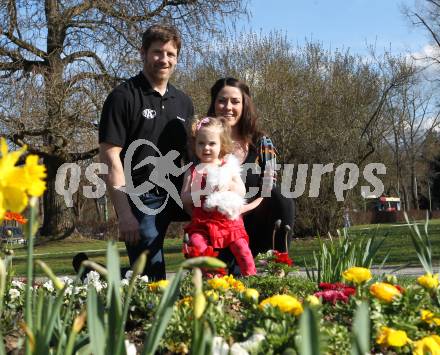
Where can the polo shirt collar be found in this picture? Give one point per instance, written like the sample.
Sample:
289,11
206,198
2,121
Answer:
146,87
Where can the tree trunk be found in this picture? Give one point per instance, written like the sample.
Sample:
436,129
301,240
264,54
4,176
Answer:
57,217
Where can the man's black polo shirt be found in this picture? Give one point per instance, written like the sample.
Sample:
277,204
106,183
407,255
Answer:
134,110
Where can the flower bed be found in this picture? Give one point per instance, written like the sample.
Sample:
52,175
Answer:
261,314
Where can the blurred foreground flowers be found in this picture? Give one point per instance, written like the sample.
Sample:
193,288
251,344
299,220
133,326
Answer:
18,182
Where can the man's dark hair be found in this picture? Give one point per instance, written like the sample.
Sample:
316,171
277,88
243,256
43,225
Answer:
162,33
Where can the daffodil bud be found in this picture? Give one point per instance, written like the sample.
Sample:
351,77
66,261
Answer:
139,265
199,305
29,334
79,322
48,271
203,262
95,266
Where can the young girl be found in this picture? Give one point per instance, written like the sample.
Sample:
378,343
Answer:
213,193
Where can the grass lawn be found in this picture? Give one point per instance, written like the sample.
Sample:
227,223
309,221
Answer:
58,254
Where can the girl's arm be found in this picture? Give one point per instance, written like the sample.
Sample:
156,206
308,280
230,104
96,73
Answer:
247,207
185,194
237,185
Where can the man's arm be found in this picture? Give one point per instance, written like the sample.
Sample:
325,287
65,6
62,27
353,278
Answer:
128,224
185,194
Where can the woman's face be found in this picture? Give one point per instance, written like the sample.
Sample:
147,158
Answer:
229,104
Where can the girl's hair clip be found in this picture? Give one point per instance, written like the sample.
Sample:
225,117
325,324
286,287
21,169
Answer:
202,122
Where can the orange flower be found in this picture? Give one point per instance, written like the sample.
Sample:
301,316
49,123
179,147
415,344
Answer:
384,292
13,216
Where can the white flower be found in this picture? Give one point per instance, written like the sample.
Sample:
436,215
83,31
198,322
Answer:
48,285
69,290
128,274
17,284
91,277
144,278
14,293
250,344
124,282
130,348
66,280
219,346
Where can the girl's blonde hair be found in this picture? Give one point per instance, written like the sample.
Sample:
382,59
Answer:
226,146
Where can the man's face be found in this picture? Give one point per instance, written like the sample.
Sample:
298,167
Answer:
159,60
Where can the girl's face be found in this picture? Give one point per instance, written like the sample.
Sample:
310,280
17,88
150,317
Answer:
208,144
229,104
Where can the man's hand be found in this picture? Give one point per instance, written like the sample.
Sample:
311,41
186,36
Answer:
128,229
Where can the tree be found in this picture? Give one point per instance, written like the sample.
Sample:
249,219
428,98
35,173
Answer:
60,58
318,106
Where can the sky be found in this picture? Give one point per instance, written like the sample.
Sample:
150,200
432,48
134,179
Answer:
340,24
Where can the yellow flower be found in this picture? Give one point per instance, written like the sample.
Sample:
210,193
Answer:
427,345
428,317
17,182
34,174
428,281
212,295
251,294
160,285
384,292
219,284
313,301
357,275
185,301
285,303
392,337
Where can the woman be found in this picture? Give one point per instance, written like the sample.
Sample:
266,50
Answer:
231,99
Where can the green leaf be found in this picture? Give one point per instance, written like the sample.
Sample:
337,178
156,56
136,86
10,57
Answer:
361,330
310,341
163,315
95,322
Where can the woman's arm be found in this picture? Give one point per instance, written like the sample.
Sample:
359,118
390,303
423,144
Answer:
185,194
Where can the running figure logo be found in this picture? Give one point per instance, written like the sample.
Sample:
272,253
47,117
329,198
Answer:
160,176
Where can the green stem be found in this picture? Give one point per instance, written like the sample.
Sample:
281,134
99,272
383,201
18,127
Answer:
30,240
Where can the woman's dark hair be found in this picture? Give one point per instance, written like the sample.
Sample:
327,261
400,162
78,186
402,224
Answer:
247,125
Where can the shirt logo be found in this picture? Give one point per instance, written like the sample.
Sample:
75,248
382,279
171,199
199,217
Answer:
180,118
149,114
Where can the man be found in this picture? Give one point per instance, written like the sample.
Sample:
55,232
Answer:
145,107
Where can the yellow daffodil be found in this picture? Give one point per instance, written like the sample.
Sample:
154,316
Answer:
286,304
251,294
428,317
427,345
357,275
428,281
384,292
219,284
392,337
17,182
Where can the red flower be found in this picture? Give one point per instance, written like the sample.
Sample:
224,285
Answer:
332,296
283,258
332,292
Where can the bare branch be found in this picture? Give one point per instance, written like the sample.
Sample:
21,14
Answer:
431,31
